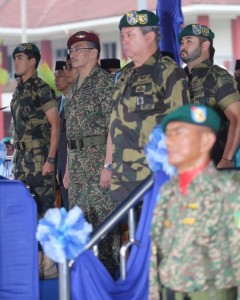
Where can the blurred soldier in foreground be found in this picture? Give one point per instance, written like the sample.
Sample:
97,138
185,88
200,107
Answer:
196,223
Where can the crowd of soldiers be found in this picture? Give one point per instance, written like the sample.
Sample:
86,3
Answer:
89,142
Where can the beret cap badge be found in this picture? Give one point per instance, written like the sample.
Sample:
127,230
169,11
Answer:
143,19
132,17
196,29
81,36
199,114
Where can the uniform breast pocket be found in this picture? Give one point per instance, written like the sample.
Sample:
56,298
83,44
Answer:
142,103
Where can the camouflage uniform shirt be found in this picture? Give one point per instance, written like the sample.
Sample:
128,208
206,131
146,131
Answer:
142,97
31,100
197,235
214,86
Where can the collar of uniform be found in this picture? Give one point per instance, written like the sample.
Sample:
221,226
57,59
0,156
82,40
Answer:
203,65
150,61
209,171
153,59
32,78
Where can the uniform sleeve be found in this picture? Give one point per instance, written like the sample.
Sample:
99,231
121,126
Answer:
154,284
226,90
105,98
176,93
155,259
233,226
47,98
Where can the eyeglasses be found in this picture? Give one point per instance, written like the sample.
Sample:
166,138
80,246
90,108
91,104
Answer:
77,49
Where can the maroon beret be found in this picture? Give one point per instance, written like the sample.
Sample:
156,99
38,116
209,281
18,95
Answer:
82,36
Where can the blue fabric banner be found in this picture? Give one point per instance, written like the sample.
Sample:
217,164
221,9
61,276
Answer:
170,21
89,278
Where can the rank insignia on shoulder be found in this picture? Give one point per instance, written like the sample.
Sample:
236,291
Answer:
189,221
237,219
167,223
193,205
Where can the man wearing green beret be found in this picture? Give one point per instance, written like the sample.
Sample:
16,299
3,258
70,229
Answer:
36,126
196,222
147,89
212,85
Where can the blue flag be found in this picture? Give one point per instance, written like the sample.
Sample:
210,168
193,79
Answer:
170,22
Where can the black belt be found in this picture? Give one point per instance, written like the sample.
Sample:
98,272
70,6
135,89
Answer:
87,142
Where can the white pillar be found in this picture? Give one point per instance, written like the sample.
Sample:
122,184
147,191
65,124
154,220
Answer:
24,20
142,4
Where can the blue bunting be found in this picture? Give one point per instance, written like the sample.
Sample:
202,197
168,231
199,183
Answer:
156,152
63,235
3,153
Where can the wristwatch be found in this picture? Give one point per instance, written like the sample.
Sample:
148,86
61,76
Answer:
51,160
109,167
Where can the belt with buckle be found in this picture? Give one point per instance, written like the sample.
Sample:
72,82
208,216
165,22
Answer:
34,144
87,142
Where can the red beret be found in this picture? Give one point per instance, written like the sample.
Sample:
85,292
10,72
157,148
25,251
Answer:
81,36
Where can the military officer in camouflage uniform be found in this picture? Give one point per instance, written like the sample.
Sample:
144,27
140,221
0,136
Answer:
147,89
196,222
87,109
36,125
212,85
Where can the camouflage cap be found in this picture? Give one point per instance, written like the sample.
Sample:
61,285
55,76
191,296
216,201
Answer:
27,48
196,30
82,36
196,114
139,18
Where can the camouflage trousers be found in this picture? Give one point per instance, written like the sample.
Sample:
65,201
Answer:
84,190
28,168
120,190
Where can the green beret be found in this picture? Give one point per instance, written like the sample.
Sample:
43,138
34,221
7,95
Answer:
139,18
196,30
27,48
196,114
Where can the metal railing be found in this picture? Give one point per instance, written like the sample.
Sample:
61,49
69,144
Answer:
124,208
120,212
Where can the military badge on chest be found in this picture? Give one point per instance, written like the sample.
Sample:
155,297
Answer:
140,100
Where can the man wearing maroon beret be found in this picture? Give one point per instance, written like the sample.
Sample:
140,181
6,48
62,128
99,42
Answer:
87,109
